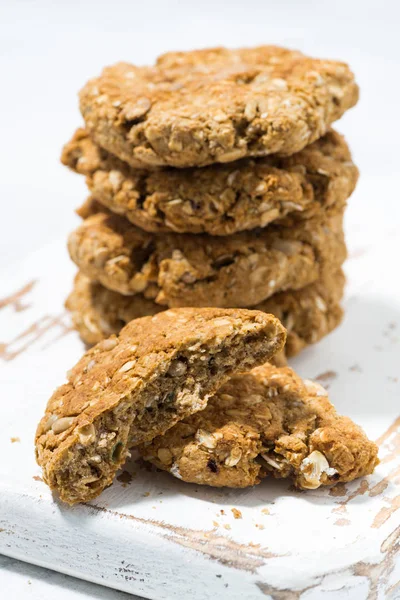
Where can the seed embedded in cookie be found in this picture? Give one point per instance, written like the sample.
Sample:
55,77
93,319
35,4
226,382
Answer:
219,199
200,270
127,390
215,105
265,422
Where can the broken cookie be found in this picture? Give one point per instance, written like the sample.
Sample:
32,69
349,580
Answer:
128,389
266,422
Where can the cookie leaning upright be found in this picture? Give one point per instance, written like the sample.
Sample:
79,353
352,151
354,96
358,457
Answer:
215,105
128,389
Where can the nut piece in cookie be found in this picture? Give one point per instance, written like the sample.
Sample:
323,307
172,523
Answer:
266,422
128,389
215,105
223,198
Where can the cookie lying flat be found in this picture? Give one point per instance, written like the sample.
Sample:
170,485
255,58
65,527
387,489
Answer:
199,270
215,105
266,422
220,199
126,390
308,314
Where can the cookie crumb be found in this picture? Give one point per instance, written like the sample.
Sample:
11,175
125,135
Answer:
265,511
236,513
37,478
342,522
326,376
14,439
215,523
227,526
260,526
125,478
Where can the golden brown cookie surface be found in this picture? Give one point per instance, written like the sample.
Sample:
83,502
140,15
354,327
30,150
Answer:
199,270
215,105
219,199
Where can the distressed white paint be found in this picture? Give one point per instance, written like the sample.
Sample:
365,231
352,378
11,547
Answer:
160,538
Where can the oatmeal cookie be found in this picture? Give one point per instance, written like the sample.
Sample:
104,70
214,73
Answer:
219,199
308,314
128,389
266,422
200,270
215,105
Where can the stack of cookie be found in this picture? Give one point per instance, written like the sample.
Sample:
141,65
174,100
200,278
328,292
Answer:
215,180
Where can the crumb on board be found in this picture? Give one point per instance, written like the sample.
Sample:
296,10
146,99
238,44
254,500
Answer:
222,511
259,526
215,523
265,511
326,376
125,478
236,513
227,526
37,478
342,522
15,439
355,368
146,494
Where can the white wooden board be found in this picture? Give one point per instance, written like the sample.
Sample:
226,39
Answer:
157,537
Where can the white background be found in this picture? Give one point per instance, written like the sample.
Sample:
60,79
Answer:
49,49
